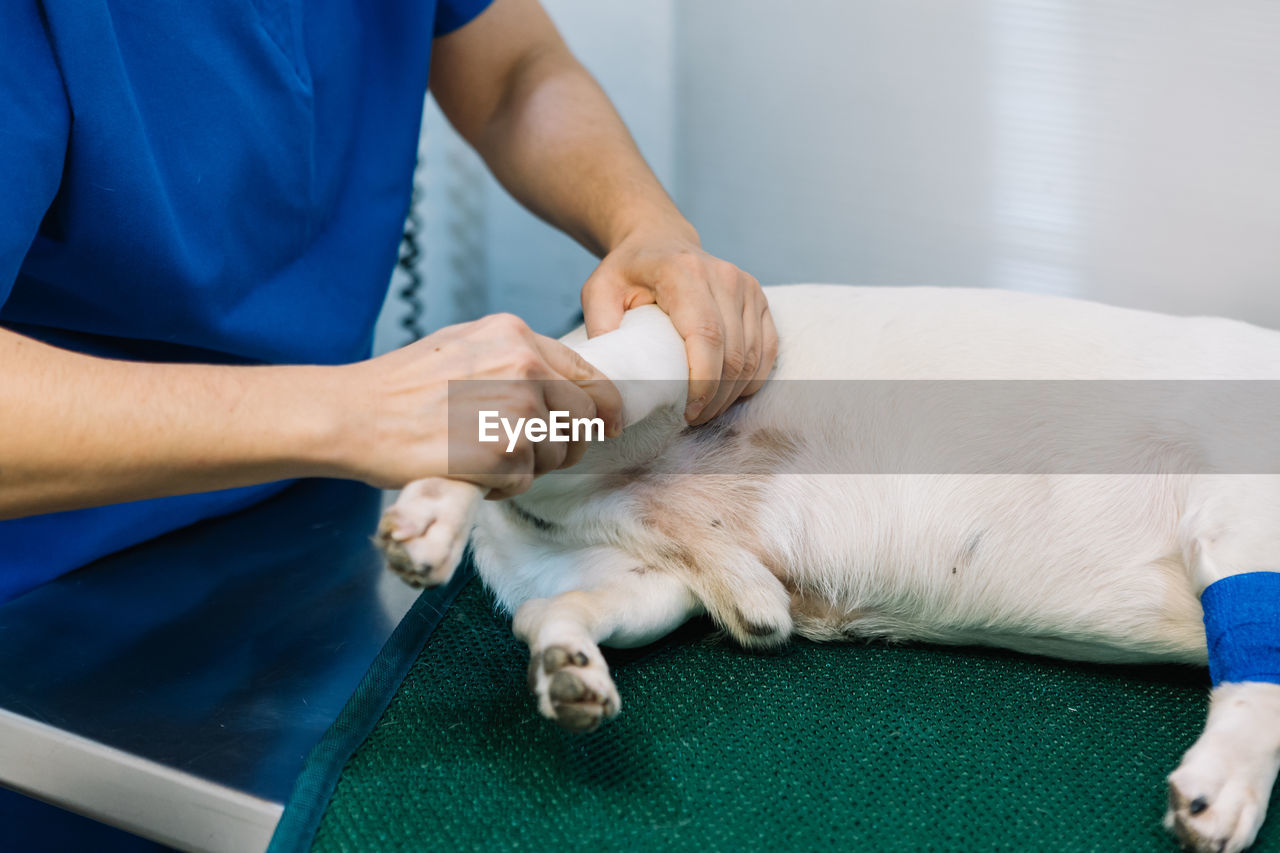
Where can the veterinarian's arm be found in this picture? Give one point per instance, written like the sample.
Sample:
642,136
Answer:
509,84
79,431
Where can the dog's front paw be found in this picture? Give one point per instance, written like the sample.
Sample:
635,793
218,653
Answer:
424,532
573,686
1216,801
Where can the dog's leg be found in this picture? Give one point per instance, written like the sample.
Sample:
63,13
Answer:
644,357
1218,795
567,672
425,531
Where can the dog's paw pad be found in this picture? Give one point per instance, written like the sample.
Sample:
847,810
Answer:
580,719
573,687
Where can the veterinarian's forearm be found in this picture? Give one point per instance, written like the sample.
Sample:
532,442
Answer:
550,135
561,149
80,431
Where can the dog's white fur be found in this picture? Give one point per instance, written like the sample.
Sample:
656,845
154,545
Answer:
729,519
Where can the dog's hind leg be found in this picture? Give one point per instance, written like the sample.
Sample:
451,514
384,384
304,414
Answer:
1218,795
567,672
742,596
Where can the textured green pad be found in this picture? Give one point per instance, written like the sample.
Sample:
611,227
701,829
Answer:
835,747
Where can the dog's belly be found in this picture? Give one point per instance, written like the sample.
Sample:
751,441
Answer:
1080,567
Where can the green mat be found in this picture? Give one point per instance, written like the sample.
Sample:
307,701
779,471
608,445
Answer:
855,746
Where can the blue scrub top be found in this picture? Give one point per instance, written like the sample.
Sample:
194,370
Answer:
221,181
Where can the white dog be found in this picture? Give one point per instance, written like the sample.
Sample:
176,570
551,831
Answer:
885,512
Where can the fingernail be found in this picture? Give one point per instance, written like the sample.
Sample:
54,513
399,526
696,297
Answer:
691,411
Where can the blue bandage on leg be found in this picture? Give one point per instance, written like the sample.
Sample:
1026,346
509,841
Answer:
1242,627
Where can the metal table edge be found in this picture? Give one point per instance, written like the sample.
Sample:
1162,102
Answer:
131,793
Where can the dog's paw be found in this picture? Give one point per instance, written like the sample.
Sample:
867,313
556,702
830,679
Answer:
1215,804
573,686
424,532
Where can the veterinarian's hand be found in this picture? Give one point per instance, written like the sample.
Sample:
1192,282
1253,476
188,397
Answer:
718,309
401,404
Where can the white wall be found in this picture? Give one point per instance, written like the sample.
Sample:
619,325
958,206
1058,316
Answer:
1126,151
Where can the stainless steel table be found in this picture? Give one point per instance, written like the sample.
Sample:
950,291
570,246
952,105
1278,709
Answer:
174,689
